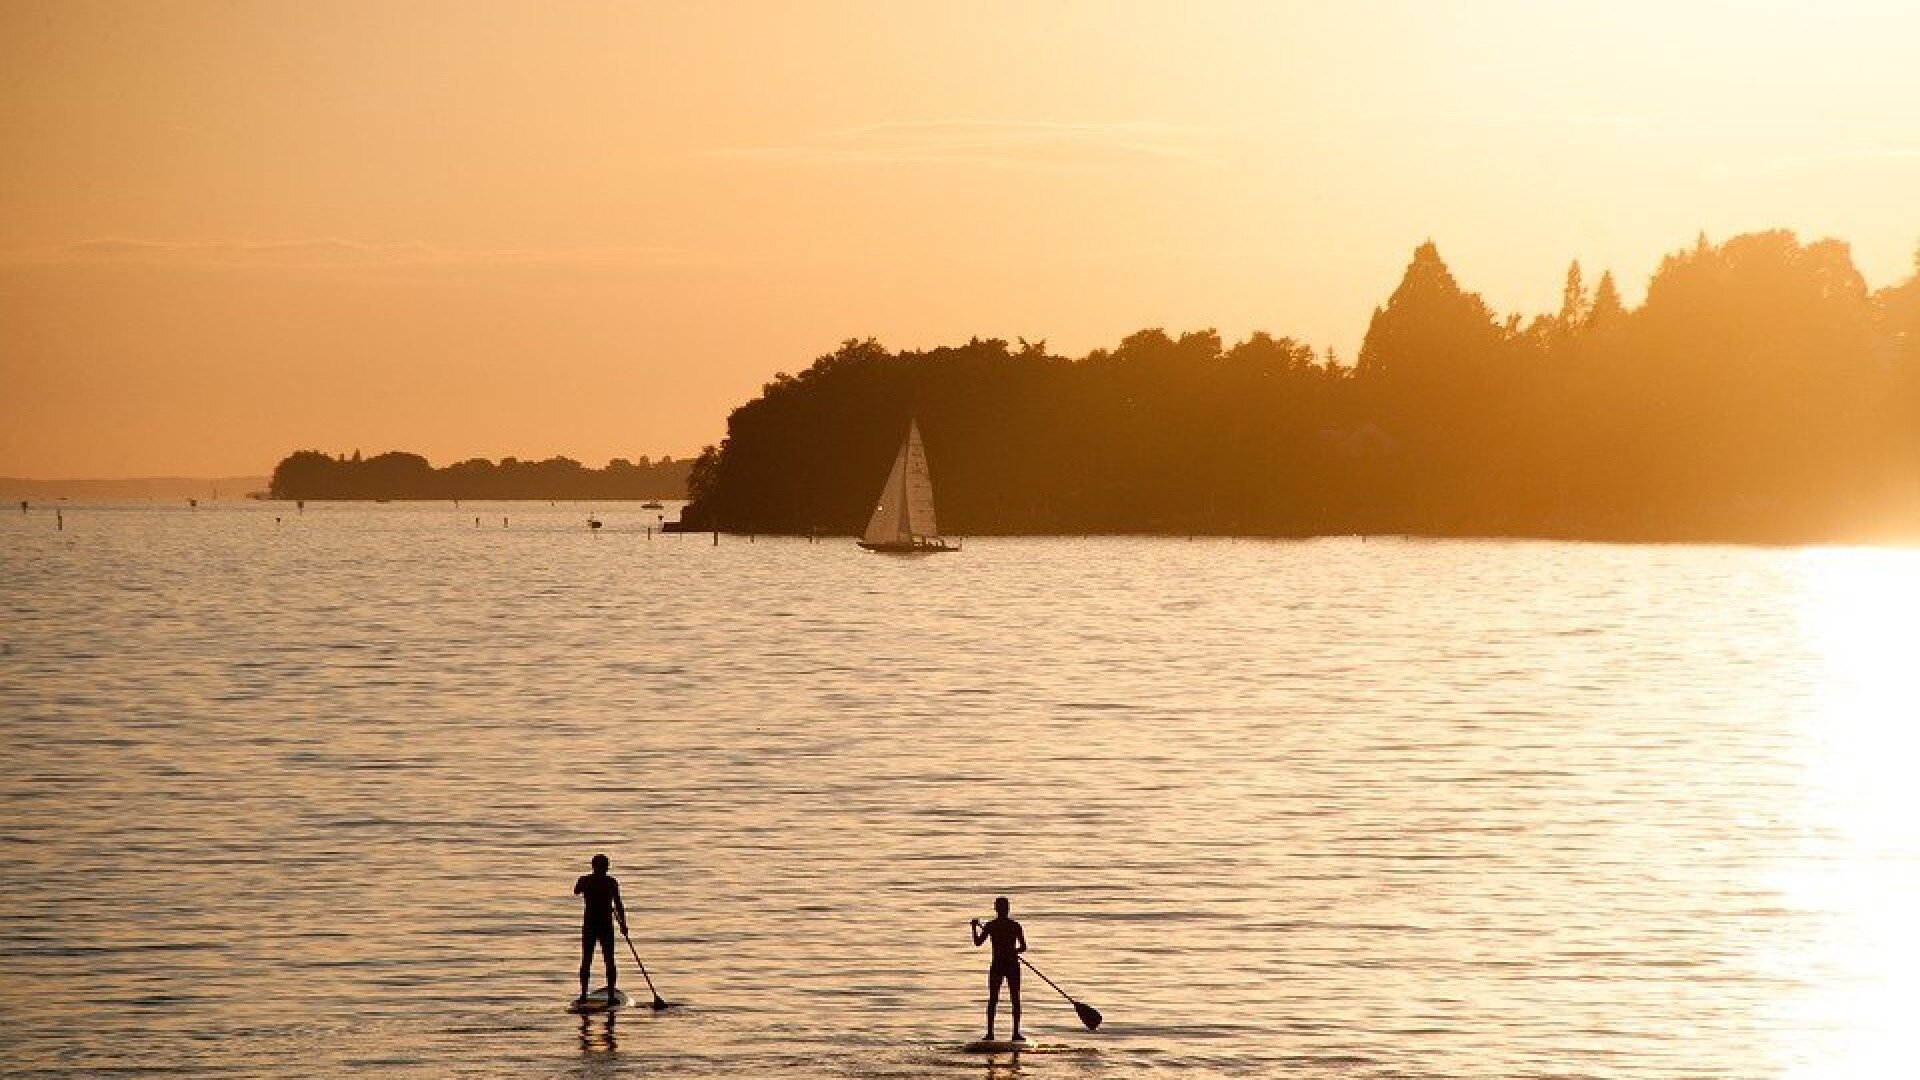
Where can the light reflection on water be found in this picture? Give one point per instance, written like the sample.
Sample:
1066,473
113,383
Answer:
1860,795
310,798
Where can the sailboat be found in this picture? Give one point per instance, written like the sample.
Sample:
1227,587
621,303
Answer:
902,521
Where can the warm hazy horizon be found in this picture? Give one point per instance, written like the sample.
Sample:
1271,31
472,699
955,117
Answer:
486,230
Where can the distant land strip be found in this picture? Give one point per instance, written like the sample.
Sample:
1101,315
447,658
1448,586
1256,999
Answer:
135,488
310,474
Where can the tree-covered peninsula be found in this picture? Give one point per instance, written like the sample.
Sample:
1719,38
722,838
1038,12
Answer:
310,474
1760,391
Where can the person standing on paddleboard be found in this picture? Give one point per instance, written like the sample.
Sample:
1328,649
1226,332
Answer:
602,895
1009,941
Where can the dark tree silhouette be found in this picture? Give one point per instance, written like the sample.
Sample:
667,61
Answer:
1759,393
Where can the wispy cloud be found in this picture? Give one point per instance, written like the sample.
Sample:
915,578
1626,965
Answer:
1862,158
287,252
1532,118
1004,144
328,252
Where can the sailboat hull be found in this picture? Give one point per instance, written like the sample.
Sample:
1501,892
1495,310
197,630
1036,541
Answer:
909,547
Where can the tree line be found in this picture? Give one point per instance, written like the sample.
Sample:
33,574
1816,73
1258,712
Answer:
1760,392
310,474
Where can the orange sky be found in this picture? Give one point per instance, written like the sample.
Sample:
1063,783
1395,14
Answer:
228,231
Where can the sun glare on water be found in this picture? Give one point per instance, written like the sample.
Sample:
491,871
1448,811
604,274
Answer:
1859,865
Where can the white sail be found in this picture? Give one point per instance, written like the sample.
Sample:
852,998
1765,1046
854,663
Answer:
920,521
905,509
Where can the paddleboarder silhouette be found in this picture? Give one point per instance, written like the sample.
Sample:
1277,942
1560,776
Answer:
602,895
1009,941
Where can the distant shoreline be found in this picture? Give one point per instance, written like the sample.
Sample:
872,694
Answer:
133,487
1890,538
1900,531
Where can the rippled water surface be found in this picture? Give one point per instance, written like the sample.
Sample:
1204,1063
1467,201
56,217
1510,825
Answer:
308,798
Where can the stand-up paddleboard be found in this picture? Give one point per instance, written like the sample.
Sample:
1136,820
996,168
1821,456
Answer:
1009,1048
999,1046
601,1000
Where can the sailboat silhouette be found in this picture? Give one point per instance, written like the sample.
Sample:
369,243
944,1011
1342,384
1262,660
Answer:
903,521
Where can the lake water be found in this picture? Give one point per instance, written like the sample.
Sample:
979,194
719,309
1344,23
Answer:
309,798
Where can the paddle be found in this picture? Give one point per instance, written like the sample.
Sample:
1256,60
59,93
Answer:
1089,1015
659,1002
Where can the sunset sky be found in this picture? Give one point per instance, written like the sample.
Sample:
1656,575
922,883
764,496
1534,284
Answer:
229,231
